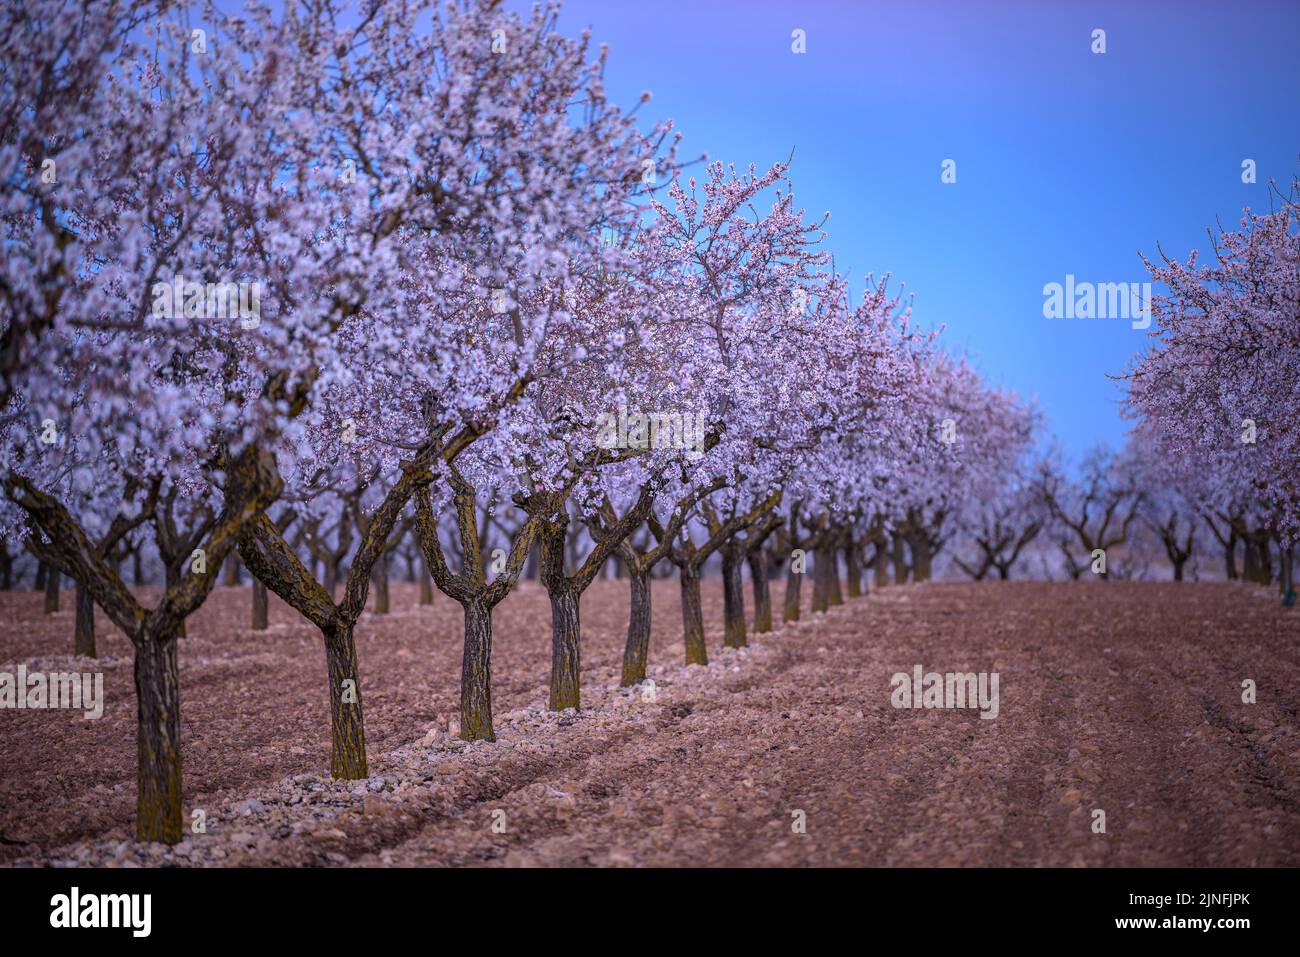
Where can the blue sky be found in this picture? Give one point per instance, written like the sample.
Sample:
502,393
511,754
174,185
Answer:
1067,161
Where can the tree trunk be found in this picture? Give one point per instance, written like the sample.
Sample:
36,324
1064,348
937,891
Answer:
1286,557
171,578
1265,560
821,581
566,648
1251,569
733,598
1178,569
1230,558
637,651
83,639
426,583
347,724
261,601
900,561
758,571
921,558
379,576
793,582
51,590
42,570
476,675
833,594
137,567
693,617
158,810
853,568
880,564
232,570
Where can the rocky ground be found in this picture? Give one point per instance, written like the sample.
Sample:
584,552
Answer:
1125,698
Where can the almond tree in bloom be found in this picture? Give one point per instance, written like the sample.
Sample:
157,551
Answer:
1093,514
841,488
1218,385
767,347
1001,527
966,443
1168,509
520,162
315,163
149,371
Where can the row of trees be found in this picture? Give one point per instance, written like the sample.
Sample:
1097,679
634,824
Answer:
1217,396
1050,520
485,302
1211,462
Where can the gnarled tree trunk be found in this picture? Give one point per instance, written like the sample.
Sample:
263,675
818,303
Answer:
1287,575
261,602
637,651
833,594
733,598
880,563
921,557
821,581
347,724
693,617
793,582
853,567
379,577
758,571
426,583
51,590
476,674
158,719
566,648
899,557
84,631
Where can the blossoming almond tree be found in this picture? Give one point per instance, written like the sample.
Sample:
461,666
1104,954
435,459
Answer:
190,396
758,319
520,162
251,187
1220,377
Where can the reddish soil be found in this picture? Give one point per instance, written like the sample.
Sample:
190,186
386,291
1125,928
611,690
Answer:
1120,697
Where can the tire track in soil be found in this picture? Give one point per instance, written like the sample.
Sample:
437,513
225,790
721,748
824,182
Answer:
1173,791
1032,795
1261,778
